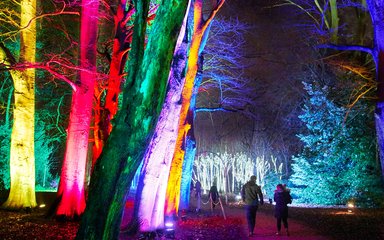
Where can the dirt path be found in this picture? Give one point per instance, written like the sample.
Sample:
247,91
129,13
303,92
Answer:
304,223
206,225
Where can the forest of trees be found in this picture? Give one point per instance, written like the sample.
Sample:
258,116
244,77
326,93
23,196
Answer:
94,92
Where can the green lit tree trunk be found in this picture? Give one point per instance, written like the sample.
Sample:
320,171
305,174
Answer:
142,100
150,197
22,159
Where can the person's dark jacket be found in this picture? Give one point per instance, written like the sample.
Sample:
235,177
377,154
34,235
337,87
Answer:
213,193
282,198
251,194
197,188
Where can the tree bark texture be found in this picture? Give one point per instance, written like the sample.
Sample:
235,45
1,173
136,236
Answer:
150,196
190,146
200,27
120,48
143,96
22,159
71,187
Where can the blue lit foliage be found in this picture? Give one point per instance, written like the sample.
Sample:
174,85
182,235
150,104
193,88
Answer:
271,180
338,162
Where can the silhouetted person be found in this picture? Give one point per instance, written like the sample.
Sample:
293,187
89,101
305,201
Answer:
198,195
214,196
282,197
252,196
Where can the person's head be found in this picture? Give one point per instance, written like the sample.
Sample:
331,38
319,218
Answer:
280,187
253,178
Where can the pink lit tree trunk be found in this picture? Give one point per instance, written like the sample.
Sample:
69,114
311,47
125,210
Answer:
71,187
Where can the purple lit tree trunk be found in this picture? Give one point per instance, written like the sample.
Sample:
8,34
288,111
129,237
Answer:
71,187
154,174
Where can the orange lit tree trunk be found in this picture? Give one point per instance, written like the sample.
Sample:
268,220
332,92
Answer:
22,159
71,187
200,29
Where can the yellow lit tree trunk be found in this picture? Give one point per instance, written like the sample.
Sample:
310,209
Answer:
22,159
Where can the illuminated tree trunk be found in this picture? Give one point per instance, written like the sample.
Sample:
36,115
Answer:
190,145
71,187
150,195
22,159
120,48
121,44
197,44
143,96
334,21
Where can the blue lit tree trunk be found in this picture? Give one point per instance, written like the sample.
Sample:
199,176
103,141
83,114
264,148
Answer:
143,96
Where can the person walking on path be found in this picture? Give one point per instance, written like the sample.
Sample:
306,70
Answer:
252,196
282,197
213,196
198,195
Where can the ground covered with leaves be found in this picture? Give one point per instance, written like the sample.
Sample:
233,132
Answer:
304,223
34,225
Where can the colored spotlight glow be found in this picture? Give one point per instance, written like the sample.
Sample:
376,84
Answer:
350,206
169,225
